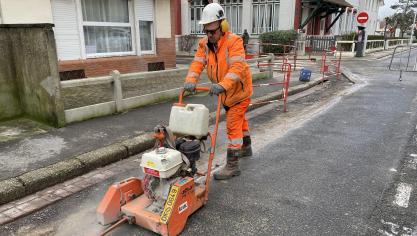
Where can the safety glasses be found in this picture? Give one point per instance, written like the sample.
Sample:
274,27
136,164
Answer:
211,31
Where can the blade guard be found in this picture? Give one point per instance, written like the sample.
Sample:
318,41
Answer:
118,194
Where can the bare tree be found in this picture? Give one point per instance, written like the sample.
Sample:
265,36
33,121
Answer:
404,19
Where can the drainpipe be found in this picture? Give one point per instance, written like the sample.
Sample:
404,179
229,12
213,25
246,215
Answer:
1,15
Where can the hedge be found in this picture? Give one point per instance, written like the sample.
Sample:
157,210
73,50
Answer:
284,37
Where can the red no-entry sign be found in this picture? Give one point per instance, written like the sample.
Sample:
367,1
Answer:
362,17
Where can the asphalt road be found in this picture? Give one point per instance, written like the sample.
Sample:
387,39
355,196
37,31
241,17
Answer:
332,168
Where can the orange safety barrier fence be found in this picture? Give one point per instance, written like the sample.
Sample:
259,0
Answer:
330,67
285,87
286,54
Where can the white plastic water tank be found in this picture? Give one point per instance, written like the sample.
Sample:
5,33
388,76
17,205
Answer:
193,119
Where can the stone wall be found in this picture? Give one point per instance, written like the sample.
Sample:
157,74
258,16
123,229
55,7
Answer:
146,83
29,74
9,98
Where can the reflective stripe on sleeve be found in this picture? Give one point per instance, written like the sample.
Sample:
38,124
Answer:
235,77
193,74
200,59
237,59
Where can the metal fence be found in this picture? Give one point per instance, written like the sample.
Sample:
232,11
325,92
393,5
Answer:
404,59
318,43
372,45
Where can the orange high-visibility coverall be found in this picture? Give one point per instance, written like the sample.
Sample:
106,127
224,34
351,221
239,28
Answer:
226,65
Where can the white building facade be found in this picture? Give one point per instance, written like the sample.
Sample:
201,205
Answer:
34,11
348,24
256,16
259,16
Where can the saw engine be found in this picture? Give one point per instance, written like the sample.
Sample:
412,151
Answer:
170,160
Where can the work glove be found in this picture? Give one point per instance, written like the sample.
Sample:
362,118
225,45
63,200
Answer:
190,87
216,89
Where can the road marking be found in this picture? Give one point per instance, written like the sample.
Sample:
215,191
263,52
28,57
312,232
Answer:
412,163
395,229
403,195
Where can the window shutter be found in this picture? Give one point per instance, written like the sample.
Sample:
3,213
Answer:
144,10
67,35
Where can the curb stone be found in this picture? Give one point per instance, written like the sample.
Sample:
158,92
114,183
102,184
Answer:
11,189
33,181
349,75
44,177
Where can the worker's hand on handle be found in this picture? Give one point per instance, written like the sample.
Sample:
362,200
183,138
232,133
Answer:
216,89
190,87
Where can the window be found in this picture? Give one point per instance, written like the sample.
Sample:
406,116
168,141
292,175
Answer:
195,13
146,37
265,15
107,27
232,10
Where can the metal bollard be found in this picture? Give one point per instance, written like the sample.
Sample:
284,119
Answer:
271,65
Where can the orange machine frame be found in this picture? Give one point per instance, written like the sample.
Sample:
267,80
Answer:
125,201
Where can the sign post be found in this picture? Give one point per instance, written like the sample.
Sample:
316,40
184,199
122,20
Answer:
362,18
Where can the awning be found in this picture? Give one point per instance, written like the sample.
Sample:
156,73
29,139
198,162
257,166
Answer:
334,3
340,3
324,8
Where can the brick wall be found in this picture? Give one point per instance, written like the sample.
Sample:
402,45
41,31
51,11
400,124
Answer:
176,17
165,48
165,52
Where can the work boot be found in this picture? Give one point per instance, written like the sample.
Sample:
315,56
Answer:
232,166
246,147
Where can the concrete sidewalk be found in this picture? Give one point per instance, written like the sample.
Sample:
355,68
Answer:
34,156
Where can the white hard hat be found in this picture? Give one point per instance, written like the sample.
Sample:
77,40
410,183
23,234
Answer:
211,13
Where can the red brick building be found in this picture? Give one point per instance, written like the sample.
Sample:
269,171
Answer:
94,37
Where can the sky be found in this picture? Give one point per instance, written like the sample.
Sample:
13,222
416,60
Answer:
386,10
383,11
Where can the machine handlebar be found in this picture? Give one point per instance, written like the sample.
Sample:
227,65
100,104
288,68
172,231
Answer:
180,103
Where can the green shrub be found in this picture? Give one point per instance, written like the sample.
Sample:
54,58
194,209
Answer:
347,37
375,37
283,37
353,37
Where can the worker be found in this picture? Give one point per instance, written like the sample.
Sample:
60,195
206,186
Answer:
245,37
223,56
